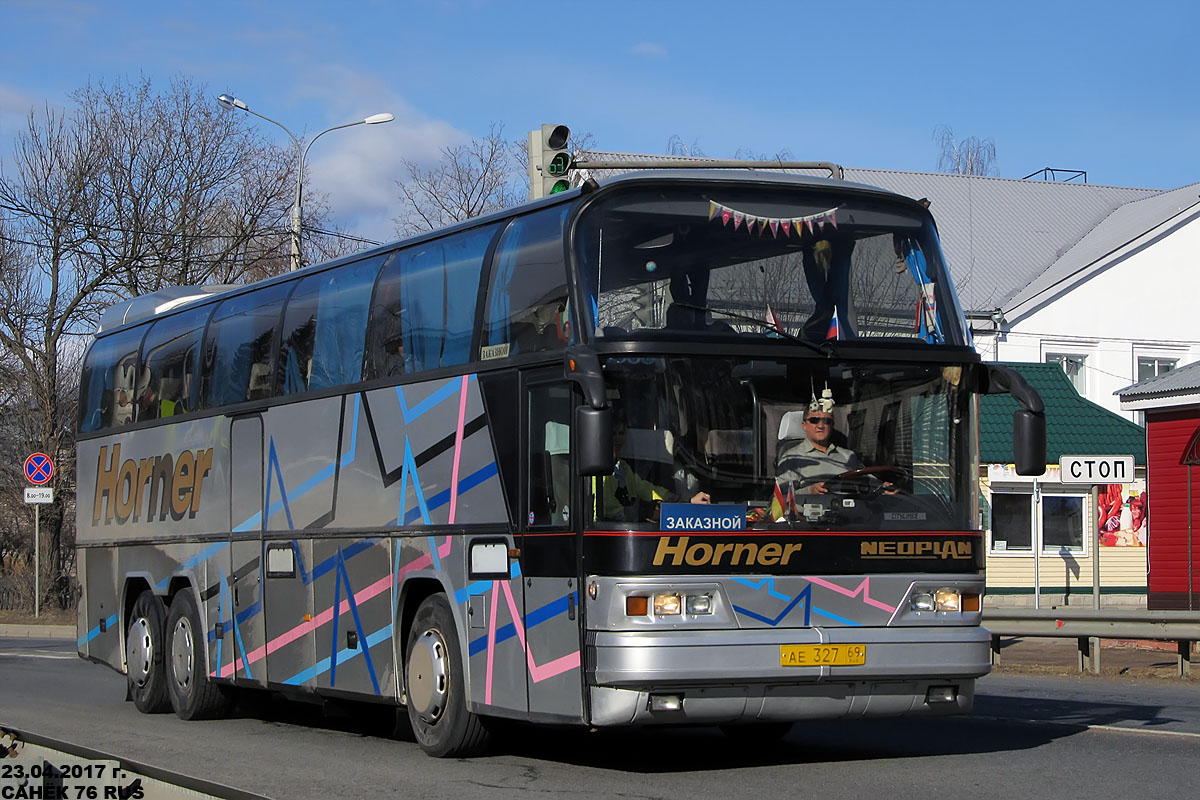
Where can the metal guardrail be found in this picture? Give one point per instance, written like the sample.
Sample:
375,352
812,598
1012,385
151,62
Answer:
41,766
1088,626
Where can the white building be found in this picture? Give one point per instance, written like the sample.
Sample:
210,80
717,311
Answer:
1100,279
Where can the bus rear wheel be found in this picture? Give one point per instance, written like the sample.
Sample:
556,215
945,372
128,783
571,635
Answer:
144,655
434,685
193,695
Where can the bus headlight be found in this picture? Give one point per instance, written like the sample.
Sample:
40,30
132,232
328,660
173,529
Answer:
921,601
699,604
667,604
948,600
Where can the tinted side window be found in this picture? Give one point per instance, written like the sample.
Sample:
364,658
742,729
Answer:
108,381
324,328
527,294
169,381
239,349
424,310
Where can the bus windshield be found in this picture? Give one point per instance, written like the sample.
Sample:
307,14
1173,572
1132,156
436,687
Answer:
804,444
766,261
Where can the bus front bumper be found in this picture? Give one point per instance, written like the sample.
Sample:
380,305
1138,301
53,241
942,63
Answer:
707,677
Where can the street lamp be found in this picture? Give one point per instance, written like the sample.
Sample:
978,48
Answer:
229,101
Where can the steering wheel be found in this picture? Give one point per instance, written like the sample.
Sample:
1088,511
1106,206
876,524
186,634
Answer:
855,481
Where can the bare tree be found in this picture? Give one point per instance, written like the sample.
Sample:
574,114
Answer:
750,155
676,146
470,180
184,192
130,192
969,156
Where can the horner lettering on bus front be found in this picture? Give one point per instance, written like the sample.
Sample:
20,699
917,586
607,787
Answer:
676,551
174,484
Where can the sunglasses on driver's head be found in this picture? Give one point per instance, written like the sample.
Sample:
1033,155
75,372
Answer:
819,420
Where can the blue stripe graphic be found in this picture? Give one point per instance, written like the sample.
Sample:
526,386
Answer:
322,666
534,618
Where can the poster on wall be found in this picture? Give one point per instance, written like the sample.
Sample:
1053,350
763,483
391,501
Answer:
1123,514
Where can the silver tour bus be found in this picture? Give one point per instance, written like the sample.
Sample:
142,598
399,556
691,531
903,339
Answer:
680,447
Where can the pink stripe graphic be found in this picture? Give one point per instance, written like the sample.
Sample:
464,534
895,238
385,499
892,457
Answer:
326,616
549,670
458,439
863,588
487,685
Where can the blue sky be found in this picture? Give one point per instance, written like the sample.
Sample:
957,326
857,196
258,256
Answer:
1099,86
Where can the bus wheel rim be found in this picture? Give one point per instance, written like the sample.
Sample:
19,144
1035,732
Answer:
428,682
181,654
139,651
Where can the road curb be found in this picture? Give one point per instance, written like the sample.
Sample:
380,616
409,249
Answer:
37,631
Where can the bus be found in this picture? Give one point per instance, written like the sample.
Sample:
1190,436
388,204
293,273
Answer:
541,466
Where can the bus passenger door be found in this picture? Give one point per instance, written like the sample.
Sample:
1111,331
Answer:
549,555
241,589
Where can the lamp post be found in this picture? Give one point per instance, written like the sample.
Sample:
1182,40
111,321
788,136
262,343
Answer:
229,101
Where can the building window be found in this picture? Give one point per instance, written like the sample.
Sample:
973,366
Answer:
1012,522
1073,366
1013,515
1062,522
1153,367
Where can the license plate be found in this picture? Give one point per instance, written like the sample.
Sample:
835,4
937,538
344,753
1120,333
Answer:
817,655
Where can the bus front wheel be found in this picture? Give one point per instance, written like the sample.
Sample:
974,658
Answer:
434,686
193,695
144,655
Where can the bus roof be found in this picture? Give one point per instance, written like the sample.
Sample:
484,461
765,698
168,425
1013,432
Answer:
158,303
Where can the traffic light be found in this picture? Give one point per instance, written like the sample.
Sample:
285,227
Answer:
549,161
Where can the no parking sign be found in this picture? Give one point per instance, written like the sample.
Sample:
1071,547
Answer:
39,468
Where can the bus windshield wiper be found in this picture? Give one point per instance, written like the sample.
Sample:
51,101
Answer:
824,348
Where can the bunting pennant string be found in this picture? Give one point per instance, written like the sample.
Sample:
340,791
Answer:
809,222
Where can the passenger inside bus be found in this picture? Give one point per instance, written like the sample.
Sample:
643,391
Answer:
626,495
123,394
544,327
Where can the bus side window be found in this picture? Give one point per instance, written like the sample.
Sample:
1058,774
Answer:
527,292
240,347
168,358
386,356
110,366
324,328
423,313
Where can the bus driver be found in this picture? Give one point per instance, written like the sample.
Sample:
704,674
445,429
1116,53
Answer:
809,461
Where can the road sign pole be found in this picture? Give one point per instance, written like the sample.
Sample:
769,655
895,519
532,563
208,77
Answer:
37,562
1096,548
1037,544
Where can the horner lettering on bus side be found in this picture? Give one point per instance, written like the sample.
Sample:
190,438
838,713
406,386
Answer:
162,485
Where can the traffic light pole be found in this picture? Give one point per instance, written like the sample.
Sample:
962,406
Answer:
550,162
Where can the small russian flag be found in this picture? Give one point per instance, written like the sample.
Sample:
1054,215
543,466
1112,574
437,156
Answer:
833,327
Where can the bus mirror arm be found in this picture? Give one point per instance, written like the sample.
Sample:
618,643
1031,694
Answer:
583,367
1029,421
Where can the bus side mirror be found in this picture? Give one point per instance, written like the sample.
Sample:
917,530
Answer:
1029,442
594,440
1029,421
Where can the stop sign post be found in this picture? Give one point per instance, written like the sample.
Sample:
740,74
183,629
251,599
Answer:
39,469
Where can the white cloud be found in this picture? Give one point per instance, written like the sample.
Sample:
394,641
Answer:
649,50
358,168
15,106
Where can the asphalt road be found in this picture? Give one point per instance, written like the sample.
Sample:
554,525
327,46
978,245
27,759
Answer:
1031,736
